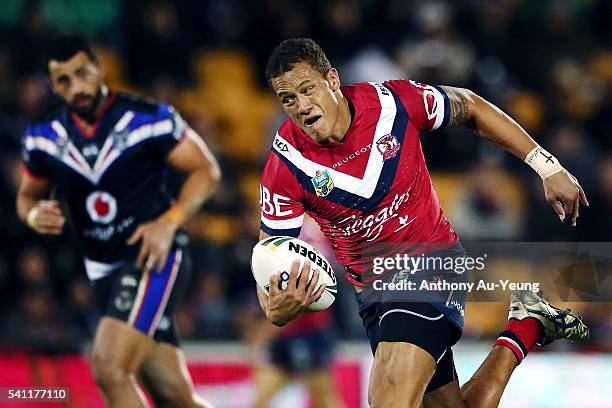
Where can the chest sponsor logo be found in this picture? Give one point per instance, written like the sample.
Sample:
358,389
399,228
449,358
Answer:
353,155
322,183
388,146
101,207
371,226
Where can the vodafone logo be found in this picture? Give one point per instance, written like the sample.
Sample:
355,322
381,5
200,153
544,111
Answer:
101,206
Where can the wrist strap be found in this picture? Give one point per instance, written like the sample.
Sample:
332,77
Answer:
175,215
544,163
31,218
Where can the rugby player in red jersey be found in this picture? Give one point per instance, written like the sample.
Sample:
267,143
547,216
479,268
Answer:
106,155
350,157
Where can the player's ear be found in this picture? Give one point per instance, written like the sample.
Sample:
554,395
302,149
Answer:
333,78
100,68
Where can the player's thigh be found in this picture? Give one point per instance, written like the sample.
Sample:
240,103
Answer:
447,396
145,301
410,340
118,348
400,374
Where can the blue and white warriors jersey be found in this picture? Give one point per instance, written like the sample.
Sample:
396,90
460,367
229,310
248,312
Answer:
110,179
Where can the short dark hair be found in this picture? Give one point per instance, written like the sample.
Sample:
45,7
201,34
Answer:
294,50
62,47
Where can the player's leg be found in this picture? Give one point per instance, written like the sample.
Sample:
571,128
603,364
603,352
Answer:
118,351
318,376
136,307
164,372
400,374
165,376
443,389
447,396
272,374
484,389
371,312
532,319
269,380
322,389
411,335
409,340
487,384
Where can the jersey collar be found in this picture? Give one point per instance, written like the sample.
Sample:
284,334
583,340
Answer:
82,124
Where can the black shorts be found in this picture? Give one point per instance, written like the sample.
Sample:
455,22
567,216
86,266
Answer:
417,323
302,353
146,301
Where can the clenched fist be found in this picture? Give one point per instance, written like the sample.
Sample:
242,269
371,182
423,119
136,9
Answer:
46,218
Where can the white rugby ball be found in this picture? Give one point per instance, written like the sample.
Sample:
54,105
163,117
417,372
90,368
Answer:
276,254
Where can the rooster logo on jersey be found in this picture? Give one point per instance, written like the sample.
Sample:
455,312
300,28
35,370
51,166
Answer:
322,183
388,146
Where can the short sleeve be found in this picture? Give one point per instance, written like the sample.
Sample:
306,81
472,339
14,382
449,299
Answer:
35,151
172,129
427,105
280,199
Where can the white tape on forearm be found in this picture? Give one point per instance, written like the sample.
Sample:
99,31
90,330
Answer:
31,218
544,163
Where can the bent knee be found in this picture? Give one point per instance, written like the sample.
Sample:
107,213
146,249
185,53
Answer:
172,395
381,396
171,391
393,388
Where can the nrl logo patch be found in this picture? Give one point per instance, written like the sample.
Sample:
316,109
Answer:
388,146
322,183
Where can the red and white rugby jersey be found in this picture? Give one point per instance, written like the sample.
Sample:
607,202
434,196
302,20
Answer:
373,187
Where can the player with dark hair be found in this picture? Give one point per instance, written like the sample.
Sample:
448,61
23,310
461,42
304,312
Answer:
350,157
104,155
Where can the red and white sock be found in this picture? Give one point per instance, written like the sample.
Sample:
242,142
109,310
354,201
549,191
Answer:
520,336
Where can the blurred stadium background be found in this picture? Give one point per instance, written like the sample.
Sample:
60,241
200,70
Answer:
548,63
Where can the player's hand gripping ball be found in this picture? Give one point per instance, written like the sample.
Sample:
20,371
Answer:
276,254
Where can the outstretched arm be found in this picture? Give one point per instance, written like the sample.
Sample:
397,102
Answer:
561,189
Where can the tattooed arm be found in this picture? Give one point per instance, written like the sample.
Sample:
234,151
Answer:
561,189
488,121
